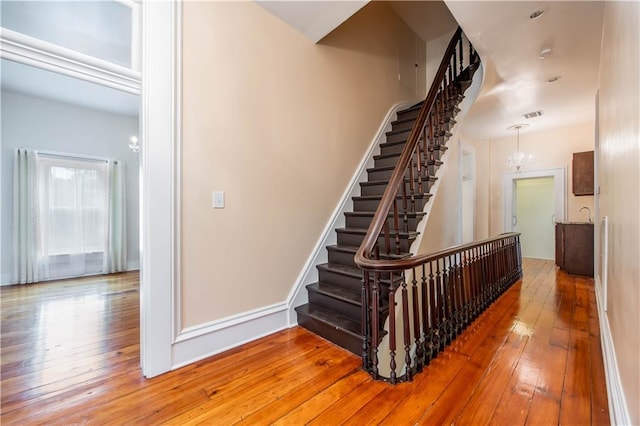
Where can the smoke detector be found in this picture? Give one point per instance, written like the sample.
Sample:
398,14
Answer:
532,114
536,14
545,53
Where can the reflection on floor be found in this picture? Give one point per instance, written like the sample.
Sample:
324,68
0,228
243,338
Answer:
70,355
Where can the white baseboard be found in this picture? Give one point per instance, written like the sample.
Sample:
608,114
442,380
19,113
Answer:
618,410
204,340
5,279
309,273
133,265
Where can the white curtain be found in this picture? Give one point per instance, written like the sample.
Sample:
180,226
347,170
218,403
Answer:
116,250
79,226
25,218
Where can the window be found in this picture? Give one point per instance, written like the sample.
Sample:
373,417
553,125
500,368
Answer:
69,216
73,200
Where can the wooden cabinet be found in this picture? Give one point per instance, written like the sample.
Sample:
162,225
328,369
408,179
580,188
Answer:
582,176
574,248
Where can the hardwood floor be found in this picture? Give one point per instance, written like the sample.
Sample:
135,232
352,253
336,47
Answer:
70,355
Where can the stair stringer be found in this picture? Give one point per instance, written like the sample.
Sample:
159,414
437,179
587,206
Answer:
445,173
298,295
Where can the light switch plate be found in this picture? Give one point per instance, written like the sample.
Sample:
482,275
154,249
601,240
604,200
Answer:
218,199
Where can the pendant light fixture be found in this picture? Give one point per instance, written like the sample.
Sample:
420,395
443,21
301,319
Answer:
518,159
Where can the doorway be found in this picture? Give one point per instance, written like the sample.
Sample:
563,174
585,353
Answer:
534,202
468,194
533,216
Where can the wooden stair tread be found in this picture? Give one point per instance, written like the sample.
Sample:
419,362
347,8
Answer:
342,269
364,232
333,319
385,182
337,292
403,120
352,250
371,213
441,147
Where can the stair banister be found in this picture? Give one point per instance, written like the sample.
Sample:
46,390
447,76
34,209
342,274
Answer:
459,282
363,256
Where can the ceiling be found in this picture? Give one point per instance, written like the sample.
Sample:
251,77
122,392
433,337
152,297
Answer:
314,19
50,85
428,19
509,43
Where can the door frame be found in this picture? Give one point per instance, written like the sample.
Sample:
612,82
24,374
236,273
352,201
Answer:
560,192
160,132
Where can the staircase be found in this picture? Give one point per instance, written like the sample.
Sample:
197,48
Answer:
335,308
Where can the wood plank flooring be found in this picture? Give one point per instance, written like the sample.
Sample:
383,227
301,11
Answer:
70,356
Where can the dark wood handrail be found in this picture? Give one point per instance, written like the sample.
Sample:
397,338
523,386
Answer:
363,256
415,261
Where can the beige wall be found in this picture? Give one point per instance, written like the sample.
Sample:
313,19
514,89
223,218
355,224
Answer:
280,125
441,228
551,149
620,187
483,180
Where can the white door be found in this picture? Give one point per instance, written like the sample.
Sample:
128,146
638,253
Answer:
534,216
540,221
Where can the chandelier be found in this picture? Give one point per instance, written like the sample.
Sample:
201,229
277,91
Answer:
518,159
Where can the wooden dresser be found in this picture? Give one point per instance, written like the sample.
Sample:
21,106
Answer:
574,248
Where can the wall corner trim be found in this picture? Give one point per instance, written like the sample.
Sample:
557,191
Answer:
618,410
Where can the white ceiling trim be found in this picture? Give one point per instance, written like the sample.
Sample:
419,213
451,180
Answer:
27,50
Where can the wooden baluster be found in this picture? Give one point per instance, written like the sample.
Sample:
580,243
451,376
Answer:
412,186
448,289
501,267
416,322
406,330
471,269
426,329
488,289
455,61
387,241
486,280
457,259
451,297
436,301
460,49
425,140
431,141
366,321
433,315
375,327
443,305
450,81
419,169
475,279
396,224
494,280
392,330
512,263
405,205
